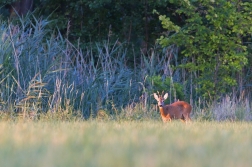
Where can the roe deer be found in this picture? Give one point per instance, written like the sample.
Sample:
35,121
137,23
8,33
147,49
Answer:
178,110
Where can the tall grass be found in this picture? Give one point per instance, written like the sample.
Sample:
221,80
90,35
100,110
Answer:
43,72
229,108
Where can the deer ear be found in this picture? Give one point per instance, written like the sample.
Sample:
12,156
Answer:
156,96
165,96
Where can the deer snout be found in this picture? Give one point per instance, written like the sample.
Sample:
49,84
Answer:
160,104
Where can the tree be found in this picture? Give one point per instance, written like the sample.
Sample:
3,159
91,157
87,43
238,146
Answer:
96,20
88,21
18,7
213,41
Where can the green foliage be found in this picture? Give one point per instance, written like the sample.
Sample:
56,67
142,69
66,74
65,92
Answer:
98,20
167,24
167,85
213,38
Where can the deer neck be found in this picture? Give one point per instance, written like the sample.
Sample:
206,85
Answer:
162,112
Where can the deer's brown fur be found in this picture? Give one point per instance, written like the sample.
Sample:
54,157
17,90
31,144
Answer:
178,110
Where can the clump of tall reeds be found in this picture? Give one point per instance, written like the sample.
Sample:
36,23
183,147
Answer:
41,72
227,108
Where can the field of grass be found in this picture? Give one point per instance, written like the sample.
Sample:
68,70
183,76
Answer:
128,143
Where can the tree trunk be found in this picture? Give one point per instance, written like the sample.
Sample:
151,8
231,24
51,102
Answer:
20,8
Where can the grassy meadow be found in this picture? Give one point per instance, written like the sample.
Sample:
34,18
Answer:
125,143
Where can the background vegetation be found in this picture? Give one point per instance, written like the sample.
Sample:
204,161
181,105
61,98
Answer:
65,61
105,58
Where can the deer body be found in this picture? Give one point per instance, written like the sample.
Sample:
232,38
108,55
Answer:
178,110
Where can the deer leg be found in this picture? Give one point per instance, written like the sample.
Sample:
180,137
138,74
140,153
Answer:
166,118
186,117
182,120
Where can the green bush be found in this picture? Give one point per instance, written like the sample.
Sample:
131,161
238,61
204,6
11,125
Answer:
174,89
